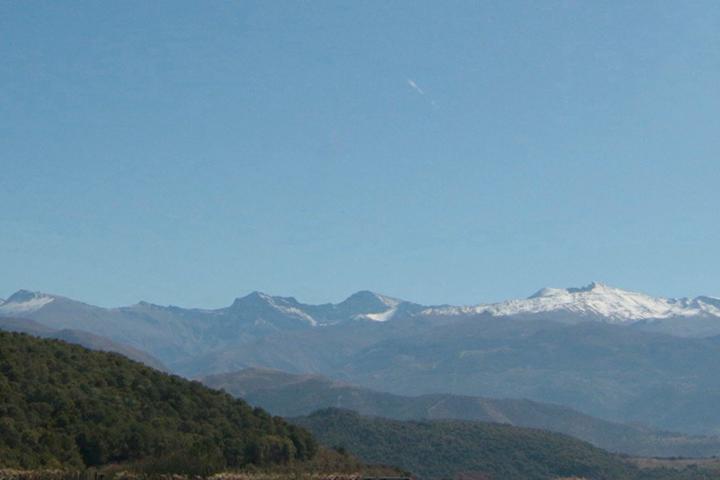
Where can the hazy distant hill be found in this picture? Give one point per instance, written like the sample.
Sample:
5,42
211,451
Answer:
295,395
87,340
618,355
609,371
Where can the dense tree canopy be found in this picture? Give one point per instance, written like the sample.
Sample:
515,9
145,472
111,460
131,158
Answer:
453,448
64,406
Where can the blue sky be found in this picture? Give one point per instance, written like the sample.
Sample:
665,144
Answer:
190,152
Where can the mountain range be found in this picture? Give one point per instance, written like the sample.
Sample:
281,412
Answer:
618,355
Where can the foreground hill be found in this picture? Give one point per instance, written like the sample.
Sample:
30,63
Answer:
451,448
292,395
64,406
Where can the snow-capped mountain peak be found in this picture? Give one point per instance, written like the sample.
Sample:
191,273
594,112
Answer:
367,305
597,300
283,305
25,301
596,288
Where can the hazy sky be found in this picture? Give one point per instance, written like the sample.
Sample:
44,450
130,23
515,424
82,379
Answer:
190,152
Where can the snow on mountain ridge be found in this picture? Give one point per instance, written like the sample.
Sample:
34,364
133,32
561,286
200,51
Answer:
286,306
597,299
25,301
389,301
368,305
283,306
385,315
380,316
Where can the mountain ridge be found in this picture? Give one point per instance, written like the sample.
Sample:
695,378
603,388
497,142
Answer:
596,299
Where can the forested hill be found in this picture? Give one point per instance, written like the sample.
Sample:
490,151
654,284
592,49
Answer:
448,448
64,406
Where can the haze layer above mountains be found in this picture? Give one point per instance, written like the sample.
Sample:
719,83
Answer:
615,354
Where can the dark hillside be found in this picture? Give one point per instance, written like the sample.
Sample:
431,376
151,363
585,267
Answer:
446,448
64,406
441,449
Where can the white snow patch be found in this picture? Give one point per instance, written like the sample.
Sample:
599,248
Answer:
33,304
389,301
288,309
382,316
597,299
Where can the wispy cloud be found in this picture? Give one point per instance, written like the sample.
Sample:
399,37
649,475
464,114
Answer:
415,87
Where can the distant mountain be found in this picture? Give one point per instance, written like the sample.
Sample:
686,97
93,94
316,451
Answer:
595,301
86,339
178,336
62,406
614,354
259,314
450,448
291,395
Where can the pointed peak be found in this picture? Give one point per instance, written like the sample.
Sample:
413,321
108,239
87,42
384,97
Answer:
367,296
366,304
261,303
548,292
23,295
256,294
362,295
262,297
597,300
26,301
592,287
253,297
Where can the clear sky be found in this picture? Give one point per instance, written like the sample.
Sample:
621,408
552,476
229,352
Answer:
444,152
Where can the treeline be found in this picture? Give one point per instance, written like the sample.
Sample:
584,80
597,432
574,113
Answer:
62,406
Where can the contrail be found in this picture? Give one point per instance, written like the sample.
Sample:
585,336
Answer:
414,86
